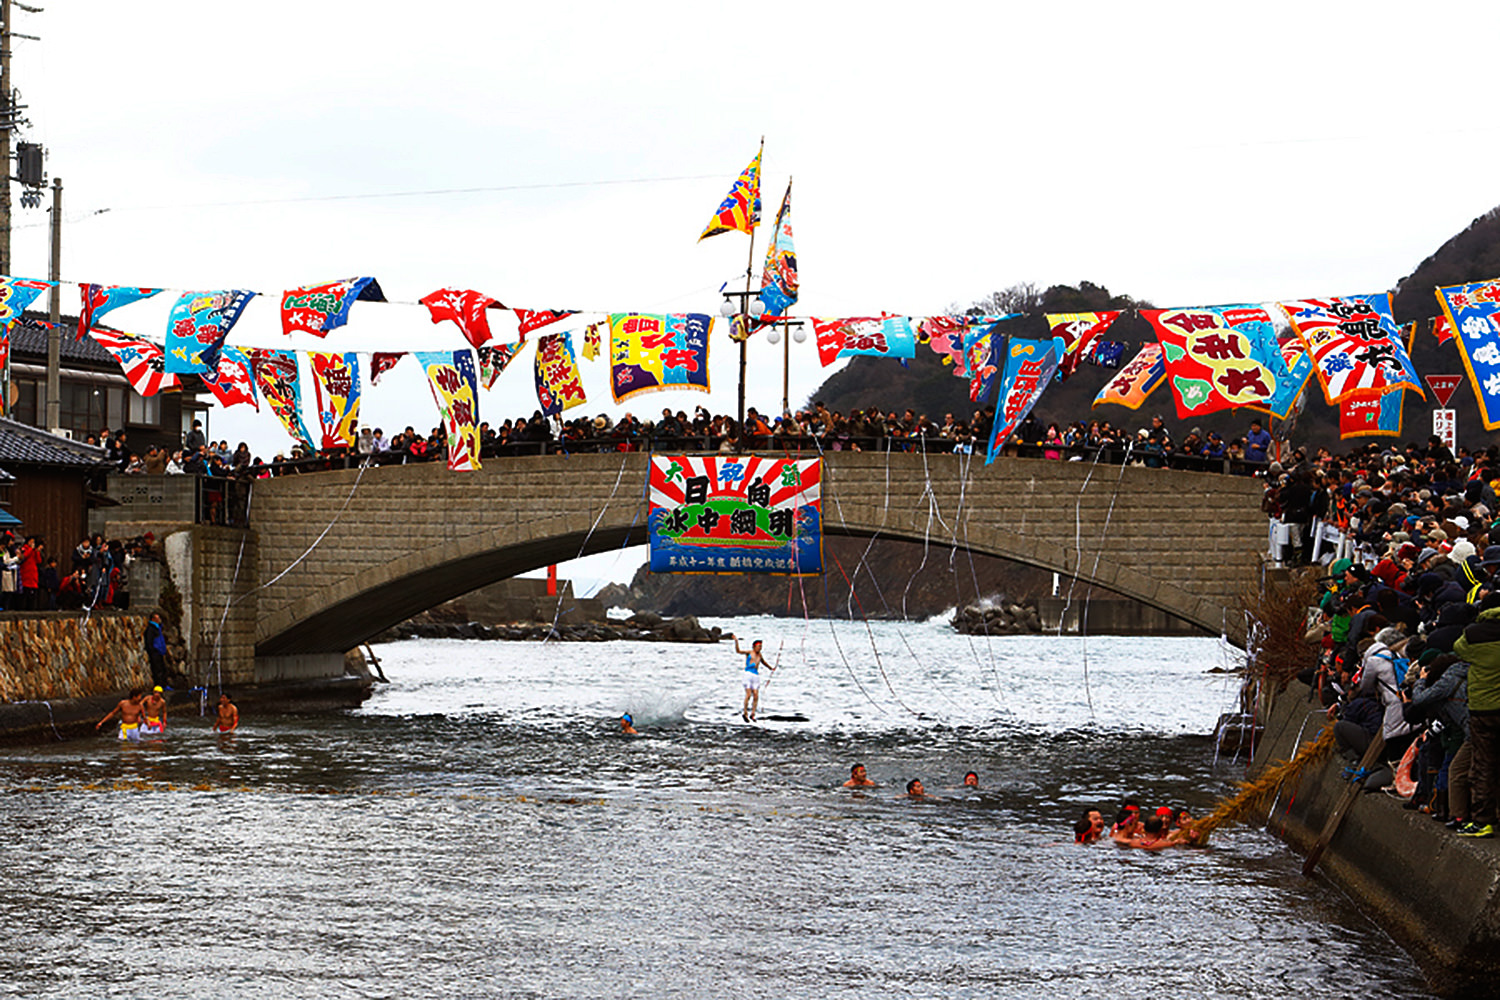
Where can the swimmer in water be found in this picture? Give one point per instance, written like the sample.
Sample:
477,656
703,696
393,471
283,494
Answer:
858,778
914,790
753,662
229,716
971,780
1089,827
627,725
155,707
1152,835
1127,824
130,712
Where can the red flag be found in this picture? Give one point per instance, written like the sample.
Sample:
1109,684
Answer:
532,319
466,308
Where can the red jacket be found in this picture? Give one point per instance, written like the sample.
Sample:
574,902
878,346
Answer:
30,566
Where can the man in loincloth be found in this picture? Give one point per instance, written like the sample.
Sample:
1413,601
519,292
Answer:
229,716
130,712
155,708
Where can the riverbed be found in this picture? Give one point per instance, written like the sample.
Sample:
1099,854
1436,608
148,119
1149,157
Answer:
482,828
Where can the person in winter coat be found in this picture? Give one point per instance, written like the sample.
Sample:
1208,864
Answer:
1479,646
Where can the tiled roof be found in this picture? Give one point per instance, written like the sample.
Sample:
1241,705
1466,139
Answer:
24,445
28,340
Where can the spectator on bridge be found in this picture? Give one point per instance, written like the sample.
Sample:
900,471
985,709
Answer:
193,439
1257,444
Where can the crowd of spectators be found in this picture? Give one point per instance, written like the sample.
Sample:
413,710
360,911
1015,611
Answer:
97,573
1408,619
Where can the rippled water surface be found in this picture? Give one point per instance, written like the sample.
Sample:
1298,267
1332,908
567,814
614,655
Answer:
481,828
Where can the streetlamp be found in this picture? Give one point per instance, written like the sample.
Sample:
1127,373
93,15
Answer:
774,336
744,311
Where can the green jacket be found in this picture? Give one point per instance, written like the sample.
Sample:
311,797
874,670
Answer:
1479,646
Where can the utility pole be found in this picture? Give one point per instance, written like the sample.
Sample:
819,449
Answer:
54,313
7,113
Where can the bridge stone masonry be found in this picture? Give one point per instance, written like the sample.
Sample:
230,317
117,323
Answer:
343,555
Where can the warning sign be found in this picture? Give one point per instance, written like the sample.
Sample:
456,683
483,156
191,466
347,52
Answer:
1442,386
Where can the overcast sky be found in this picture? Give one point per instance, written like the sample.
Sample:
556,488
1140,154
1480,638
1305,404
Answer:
1176,152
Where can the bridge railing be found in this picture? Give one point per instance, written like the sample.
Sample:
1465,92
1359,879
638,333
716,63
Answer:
792,445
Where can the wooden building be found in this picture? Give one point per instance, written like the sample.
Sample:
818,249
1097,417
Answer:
94,395
49,486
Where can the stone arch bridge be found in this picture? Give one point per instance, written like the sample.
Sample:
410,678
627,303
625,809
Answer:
393,541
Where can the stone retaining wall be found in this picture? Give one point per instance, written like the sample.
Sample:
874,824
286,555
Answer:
51,656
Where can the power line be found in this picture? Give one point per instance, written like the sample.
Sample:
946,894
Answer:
430,192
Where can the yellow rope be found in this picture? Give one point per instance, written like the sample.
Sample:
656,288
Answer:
1252,794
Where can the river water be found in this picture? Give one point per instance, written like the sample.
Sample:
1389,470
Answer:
481,828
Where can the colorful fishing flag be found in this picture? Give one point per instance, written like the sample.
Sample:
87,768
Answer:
649,353
319,309
451,377
1137,380
494,360
873,336
1355,345
15,295
735,514
100,299
1442,329
382,362
592,342
1474,311
984,359
336,381
1215,358
143,362
1029,366
276,377
740,209
230,381
1371,416
197,326
533,320
778,279
945,336
1078,331
466,308
559,387
1106,354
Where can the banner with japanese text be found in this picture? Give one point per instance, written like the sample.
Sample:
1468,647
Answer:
648,353
872,336
1355,345
559,386
319,309
1029,366
336,381
382,362
143,362
532,320
1217,358
1473,312
1371,416
276,377
100,299
1137,380
15,295
736,514
1078,331
197,326
452,378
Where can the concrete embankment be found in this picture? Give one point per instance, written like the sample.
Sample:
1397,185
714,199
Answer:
61,673
1436,893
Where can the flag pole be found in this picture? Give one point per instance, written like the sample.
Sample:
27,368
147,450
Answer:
745,302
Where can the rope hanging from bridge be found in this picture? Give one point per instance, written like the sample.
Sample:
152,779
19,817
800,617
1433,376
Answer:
624,460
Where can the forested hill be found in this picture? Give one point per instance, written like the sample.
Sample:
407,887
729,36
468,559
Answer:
928,386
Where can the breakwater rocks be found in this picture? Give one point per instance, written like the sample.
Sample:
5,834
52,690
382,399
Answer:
643,626
998,618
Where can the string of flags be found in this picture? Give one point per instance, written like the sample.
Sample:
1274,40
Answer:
1213,358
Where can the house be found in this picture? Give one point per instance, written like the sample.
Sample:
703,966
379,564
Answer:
45,483
95,394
